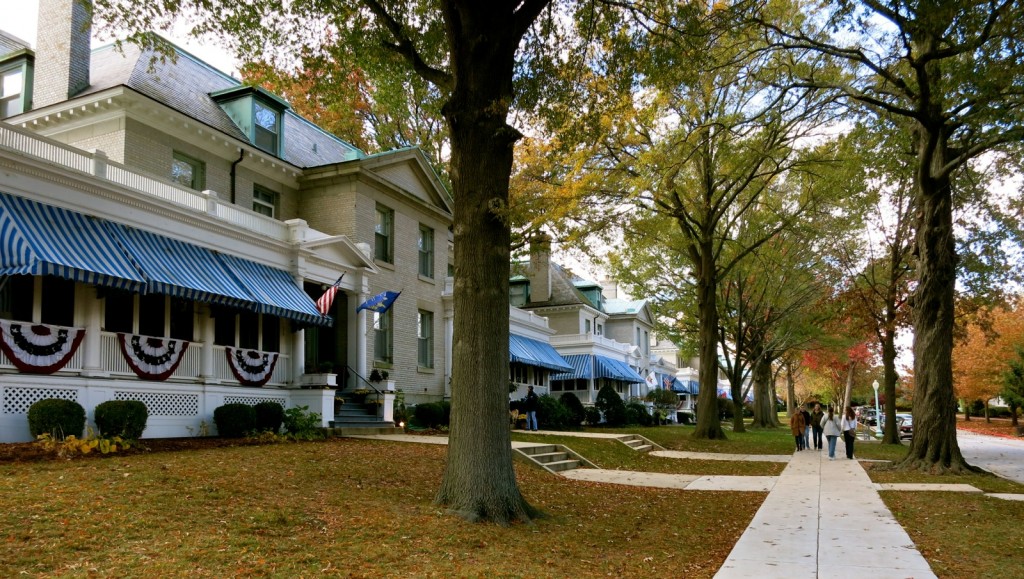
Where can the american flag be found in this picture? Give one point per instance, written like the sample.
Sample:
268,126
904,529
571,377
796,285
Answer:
323,305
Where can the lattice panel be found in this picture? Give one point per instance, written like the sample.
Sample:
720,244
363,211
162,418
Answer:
164,404
17,400
253,400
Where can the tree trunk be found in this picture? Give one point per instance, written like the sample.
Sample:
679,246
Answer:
764,402
479,482
1013,415
790,390
891,434
988,417
848,391
708,425
934,447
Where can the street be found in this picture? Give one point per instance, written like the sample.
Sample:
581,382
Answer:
1003,456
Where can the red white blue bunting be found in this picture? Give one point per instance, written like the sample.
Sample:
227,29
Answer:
39,348
251,367
152,358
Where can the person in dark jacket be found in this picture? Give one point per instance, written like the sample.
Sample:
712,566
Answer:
816,417
796,426
807,426
531,409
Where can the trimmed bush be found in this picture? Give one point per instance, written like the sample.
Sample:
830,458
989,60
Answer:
432,414
60,418
576,411
124,418
636,413
234,420
269,416
552,413
593,415
302,424
611,406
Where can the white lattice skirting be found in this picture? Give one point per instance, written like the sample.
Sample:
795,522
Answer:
175,410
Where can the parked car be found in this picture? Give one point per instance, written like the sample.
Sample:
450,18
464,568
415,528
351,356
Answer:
869,416
906,423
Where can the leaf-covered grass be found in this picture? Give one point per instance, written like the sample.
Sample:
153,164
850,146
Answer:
753,441
963,535
612,454
342,507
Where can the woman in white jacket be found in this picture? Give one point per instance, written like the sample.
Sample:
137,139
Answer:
832,427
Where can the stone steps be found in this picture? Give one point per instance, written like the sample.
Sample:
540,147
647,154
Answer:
639,443
553,458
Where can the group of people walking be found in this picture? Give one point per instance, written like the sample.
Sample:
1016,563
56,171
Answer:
803,423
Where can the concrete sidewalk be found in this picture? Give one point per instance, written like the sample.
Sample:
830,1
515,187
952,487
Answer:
824,519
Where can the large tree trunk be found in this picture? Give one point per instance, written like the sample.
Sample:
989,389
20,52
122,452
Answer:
891,434
764,400
934,447
708,425
790,390
479,482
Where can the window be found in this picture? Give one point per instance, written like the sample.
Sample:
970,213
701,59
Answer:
12,85
382,336
518,373
148,315
188,171
384,230
264,201
586,326
425,335
267,127
426,247
151,315
16,295
246,329
518,294
600,330
44,300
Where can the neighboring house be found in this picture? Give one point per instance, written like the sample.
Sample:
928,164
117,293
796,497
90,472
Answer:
532,360
576,313
165,232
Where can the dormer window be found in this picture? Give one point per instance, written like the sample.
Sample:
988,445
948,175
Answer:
15,86
257,113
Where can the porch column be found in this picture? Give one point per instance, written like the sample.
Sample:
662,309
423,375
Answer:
298,356
357,331
88,302
206,333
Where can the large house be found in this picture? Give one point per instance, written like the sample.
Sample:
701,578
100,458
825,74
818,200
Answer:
166,232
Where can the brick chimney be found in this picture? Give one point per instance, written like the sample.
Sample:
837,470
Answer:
62,51
540,268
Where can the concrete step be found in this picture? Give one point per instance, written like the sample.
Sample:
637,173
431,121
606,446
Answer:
539,449
553,458
549,457
639,443
562,465
350,430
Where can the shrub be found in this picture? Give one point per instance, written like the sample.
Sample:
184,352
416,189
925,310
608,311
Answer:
724,409
302,424
552,413
269,416
432,414
234,420
611,406
593,415
576,411
636,413
121,418
57,417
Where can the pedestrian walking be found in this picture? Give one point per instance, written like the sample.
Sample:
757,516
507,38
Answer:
816,417
531,409
797,427
849,426
832,427
807,425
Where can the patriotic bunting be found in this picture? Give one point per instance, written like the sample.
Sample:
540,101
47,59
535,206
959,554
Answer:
39,348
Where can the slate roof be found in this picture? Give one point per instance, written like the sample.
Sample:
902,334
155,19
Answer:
563,290
9,44
185,83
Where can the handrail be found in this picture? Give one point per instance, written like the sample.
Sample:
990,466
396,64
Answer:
365,381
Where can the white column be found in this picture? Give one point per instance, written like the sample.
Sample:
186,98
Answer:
206,374
298,355
357,332
87,302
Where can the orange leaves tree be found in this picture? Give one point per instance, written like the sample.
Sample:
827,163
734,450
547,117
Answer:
981,360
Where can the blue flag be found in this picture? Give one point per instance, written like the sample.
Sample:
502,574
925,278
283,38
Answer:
379,303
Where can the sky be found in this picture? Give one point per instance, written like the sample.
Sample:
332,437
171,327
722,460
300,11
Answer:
19,18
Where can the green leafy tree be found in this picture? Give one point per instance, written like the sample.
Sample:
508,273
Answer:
952,72
1013,384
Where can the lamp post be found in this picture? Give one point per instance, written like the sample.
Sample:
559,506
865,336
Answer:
878,414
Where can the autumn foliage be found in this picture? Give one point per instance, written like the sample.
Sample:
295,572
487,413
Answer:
981,359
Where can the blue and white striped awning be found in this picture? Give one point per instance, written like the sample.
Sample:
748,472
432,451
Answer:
181,269
274,290
38,239
535,353
616,370
587,366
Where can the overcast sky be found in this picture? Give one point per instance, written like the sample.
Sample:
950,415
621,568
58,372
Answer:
19,18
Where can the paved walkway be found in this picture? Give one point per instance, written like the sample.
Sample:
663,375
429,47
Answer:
824,519
1002,456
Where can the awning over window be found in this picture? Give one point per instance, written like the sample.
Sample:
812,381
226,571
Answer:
586,366
38,239
535,353
605,367
274,290
181,269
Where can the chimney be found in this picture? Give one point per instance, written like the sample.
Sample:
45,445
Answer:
540,268
610,288
62,51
